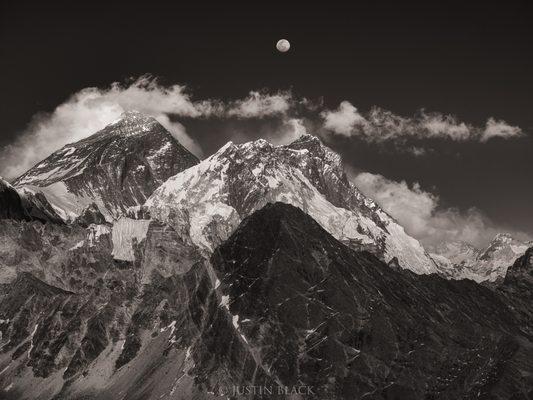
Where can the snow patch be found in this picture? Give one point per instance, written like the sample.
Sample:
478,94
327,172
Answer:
125,233
31,339
77,245
225,301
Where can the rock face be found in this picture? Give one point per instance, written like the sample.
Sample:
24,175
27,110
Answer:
116,168
207,202
459,260
280,304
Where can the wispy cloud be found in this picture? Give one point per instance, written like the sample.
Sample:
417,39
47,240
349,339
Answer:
495,128
258,105
380,125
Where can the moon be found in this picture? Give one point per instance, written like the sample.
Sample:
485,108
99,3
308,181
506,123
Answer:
283,45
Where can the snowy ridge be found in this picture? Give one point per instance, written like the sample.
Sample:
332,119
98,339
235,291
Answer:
207,201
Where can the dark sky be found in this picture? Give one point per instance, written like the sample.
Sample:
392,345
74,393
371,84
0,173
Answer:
471,60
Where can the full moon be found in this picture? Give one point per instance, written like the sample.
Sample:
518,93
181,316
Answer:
283,45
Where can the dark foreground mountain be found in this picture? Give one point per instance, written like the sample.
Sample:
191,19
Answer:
116,168
282,305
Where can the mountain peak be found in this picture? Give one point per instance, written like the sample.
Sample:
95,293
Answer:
131,122
273,216
306,138
116,168
134,115
314,145
503,237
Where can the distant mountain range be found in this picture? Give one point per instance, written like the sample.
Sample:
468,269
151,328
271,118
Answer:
131,270
463,261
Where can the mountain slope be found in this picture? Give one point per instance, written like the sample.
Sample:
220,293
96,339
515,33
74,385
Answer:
281,303
116,168
207,201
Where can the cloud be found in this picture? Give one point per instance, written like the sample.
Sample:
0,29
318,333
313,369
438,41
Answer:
379,125
290,130
345,120
258,105
420,213
438,125
500,129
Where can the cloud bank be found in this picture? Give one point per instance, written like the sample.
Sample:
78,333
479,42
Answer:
420,213
91,109
380,125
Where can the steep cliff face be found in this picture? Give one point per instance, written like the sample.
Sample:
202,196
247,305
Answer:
116,168
208,201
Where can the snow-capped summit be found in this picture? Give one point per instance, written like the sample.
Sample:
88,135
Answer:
206,202
461,260
116,168
131,123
